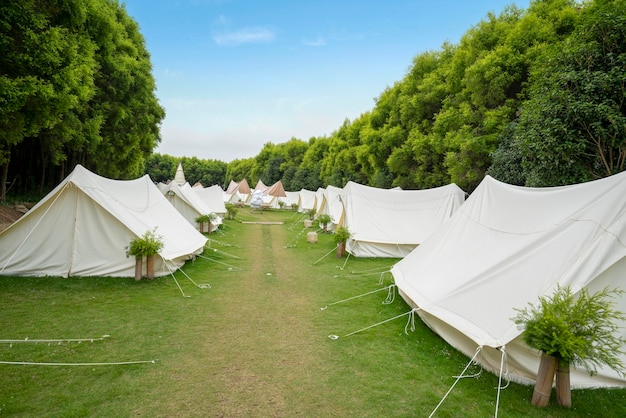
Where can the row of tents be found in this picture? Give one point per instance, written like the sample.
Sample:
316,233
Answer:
466,266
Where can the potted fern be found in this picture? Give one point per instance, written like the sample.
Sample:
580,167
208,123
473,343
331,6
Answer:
571,329
206,219
323,220
147,245
341,235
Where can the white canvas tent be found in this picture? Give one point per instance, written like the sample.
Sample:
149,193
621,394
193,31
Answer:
237,192
332,206
212,197
179,177
188,203
83,226
307,200
320,201
290,198
391,223
505,247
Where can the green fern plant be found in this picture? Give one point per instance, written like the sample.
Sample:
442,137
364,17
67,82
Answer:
146,245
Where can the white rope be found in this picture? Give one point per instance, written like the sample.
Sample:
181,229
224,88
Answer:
230,267
410,324
346,262
175,281
503,351
478,349
54,340
118,363
411,312
374,270
391,296
199,286
296,239
381,280
326,255
355,297
215,250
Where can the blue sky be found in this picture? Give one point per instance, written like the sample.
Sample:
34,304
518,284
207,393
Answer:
233,75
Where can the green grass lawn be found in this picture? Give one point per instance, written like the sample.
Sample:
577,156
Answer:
254,344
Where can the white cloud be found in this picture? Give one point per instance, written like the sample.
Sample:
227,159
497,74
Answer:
315,42
170,73
244,36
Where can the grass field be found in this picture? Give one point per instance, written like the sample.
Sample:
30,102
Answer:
254,344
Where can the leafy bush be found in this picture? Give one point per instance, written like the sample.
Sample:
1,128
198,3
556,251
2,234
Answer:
342,234
231,210
209,217
148,244
578,330
323,221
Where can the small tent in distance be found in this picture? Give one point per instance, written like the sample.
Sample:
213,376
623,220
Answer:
84,225
504,248
237,193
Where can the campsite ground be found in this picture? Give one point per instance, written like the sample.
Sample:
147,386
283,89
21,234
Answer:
9,213
254,344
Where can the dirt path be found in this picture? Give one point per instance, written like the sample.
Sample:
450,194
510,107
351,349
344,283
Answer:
270,303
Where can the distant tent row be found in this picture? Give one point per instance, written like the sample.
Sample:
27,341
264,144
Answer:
84,225
261,196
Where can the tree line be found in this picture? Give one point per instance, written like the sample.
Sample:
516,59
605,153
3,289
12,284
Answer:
532,97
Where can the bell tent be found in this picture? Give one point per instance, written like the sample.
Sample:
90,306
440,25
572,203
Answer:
504,248
84,225
392,222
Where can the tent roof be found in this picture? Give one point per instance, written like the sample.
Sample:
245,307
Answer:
260,186
212,197
242,187
275,189
179,177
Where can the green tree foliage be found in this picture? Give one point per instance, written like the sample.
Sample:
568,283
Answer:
75,87
238,170
573,127
533,97
162,168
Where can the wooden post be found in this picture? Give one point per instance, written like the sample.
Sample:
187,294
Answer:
150,267
545,378
563,390
138,268
341,249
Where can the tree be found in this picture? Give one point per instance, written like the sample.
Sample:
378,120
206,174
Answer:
573,126
47,63
61,103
